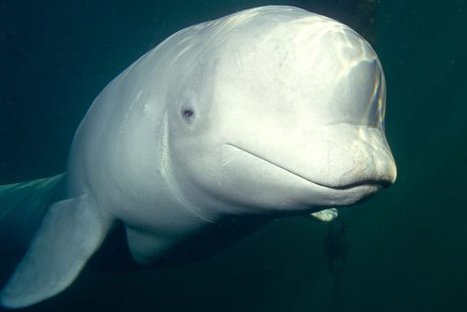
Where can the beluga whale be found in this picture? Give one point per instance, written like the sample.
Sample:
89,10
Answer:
268,112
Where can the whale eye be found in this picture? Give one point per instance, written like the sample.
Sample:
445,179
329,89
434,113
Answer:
188,114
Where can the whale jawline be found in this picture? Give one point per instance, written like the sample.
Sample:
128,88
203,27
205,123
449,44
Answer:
372,183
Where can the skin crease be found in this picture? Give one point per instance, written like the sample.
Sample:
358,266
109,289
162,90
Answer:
267,112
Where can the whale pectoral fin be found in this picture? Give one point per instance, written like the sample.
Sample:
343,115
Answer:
70,233
145,247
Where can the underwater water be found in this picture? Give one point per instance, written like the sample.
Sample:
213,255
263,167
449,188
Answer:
403,250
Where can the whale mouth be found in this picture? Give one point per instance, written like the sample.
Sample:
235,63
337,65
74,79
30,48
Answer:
373,183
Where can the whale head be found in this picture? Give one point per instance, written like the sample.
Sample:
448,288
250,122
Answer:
279,115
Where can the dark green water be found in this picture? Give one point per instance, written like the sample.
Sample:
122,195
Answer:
404,250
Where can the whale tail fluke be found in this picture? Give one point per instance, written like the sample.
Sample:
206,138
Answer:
22,207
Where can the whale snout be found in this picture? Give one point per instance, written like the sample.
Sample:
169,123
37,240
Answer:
363,157
390,176
338,159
